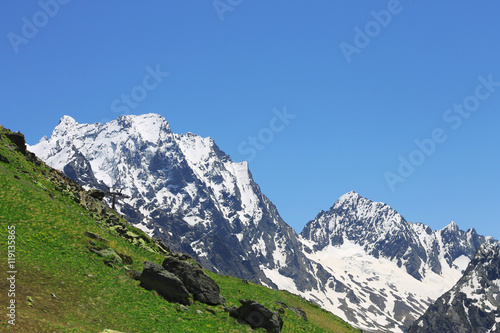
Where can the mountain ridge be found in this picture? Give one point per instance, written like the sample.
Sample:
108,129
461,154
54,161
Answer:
188,192
78,264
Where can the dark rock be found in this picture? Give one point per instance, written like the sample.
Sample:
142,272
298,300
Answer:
281,310
299,312
136,275
109,263
181,256
30,157
18,140
127,260
212,311
80,170
4,159
195,280
97,194
281,304
257,316
352,297
95,236
155,277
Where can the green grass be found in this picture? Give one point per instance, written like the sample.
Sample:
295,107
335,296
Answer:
52,257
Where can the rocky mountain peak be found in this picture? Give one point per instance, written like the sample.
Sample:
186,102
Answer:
185,190
451,227
67,120
349,197
473,304
355,218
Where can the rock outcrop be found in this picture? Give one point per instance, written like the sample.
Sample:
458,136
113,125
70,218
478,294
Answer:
176,279
258,316
204,289
166,284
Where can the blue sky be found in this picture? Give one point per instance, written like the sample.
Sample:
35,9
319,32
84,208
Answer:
397,100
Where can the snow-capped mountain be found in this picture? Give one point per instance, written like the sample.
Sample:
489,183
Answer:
473,304
383,232
360,259
394,268
186,191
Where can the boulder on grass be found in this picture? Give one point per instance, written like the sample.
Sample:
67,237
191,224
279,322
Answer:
195,280
166,284
258,316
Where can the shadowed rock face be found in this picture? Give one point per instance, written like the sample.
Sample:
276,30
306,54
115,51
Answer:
473,304
80,170
18,140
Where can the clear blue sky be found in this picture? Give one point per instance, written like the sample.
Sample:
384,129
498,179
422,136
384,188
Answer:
360,99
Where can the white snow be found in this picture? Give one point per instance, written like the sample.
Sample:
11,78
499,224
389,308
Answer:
144,228
111,147
260,246
461,262
192,220
279,254
364,274
283,282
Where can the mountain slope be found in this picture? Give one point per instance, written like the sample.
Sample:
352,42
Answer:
188,193
62,287
473,304
361,259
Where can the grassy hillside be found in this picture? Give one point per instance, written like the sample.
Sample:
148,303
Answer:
60,286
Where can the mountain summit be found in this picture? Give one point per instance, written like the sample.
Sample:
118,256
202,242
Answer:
384,233
186,191
360,259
